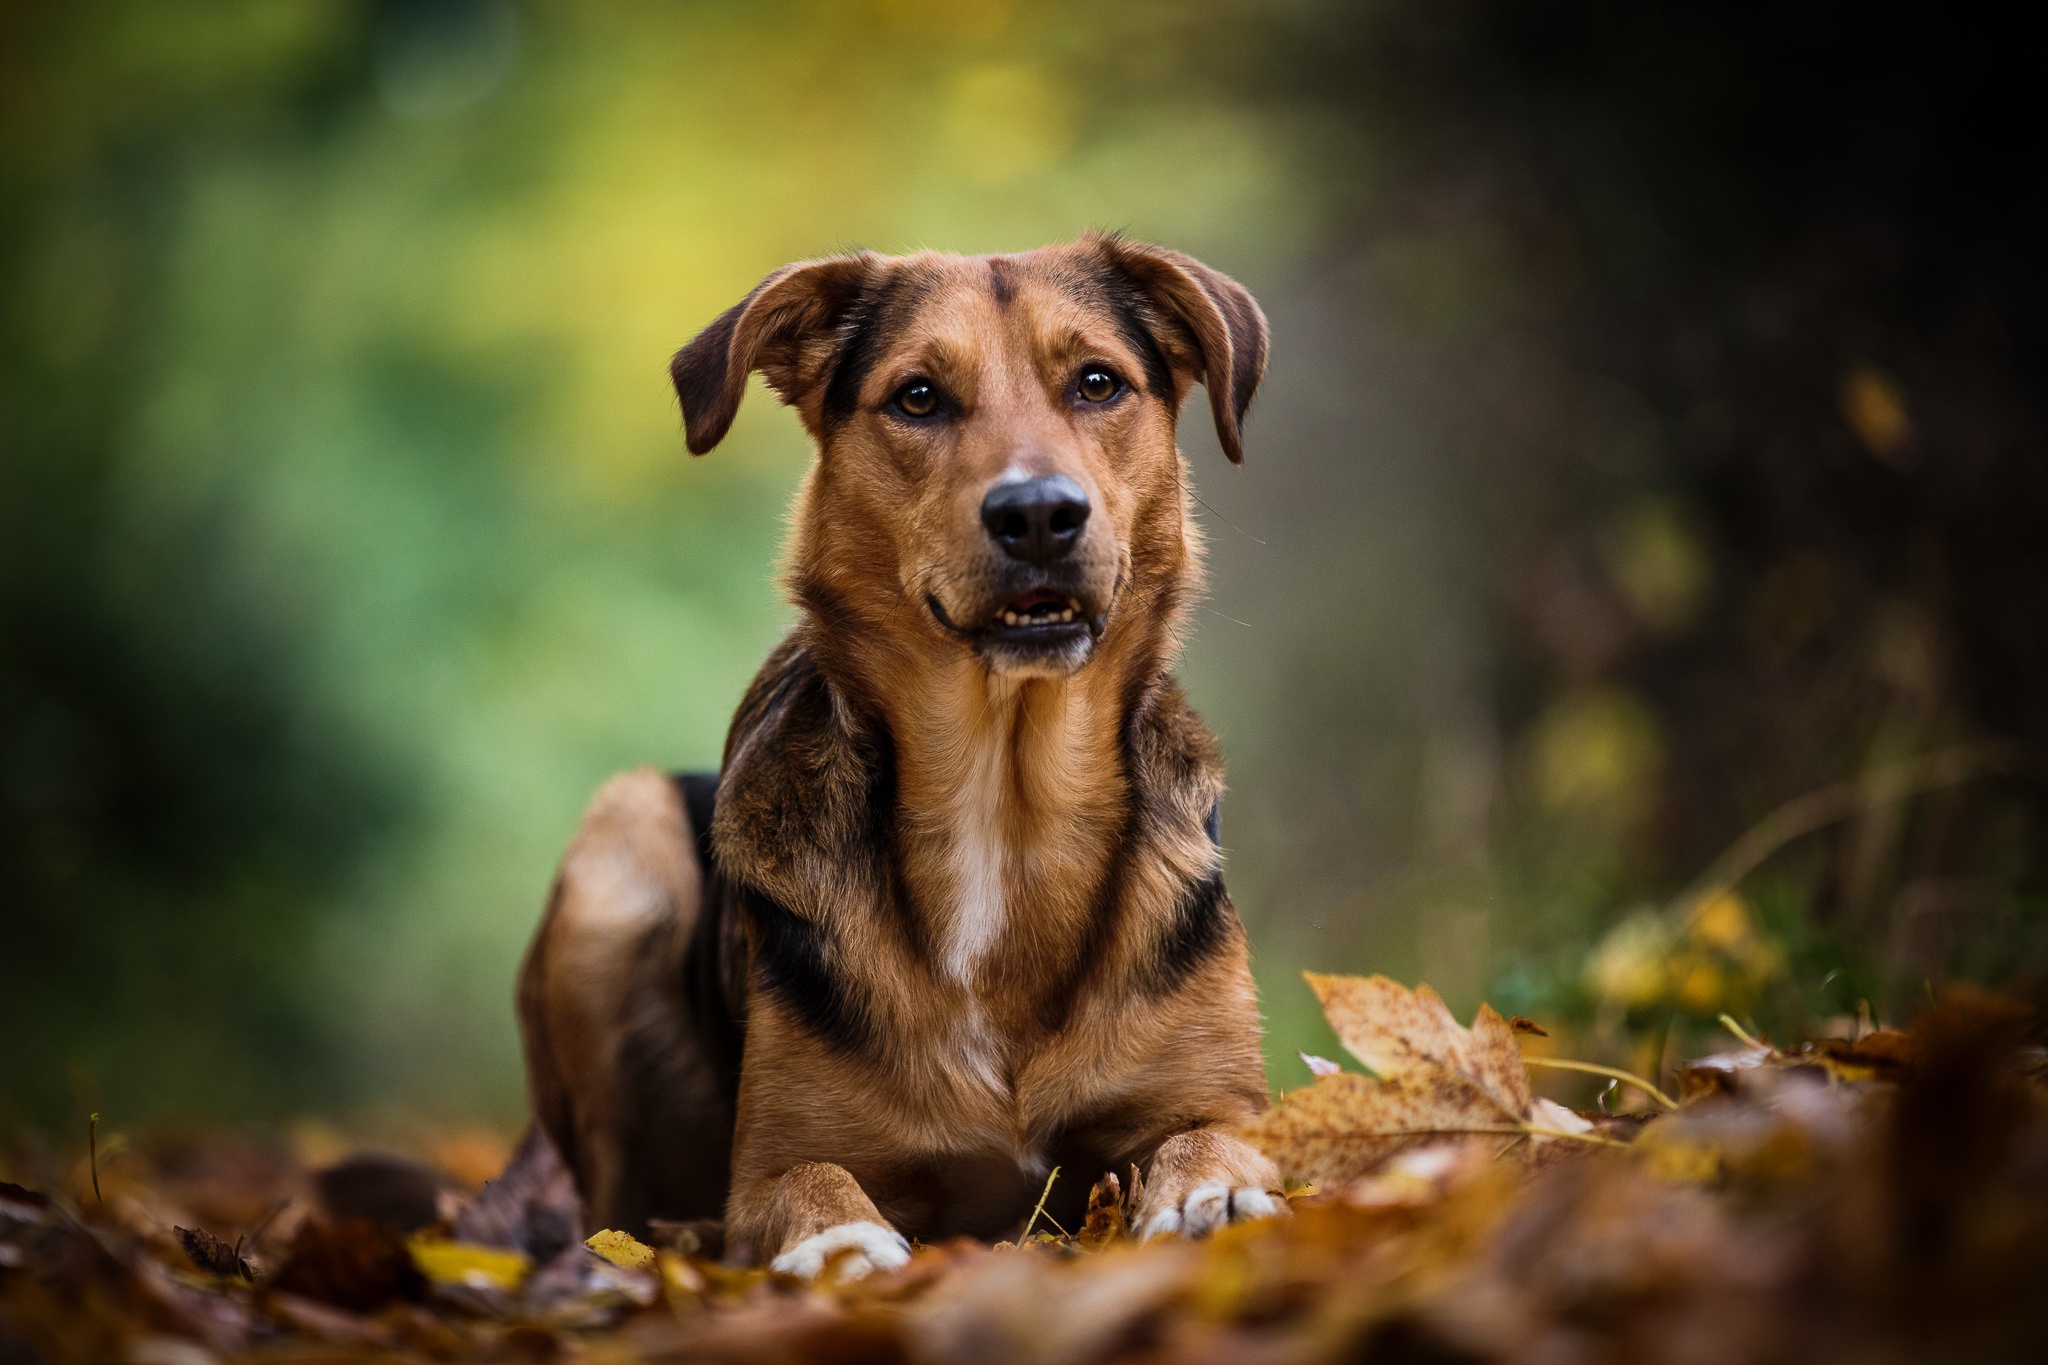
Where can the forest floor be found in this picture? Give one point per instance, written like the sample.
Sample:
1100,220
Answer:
1876,1198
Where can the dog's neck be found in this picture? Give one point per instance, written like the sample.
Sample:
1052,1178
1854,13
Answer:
1017,788
1011,793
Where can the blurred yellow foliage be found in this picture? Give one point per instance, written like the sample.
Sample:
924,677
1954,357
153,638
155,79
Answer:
1875,408
1658,564
1702,960
1596,749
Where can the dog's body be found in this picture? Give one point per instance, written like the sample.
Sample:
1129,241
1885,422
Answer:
959,914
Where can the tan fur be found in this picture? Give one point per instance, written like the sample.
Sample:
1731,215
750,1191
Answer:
1004,937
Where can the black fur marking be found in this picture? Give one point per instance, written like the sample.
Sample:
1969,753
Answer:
700,799
710,995
1000,283
795,965
873,318
1200,926
1213,826
1131,310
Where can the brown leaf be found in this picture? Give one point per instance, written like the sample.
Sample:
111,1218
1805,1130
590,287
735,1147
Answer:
531,1206
1883,1055
1105,1222
1396,1032
1520,1024
356,1265
1343,1126
210,1254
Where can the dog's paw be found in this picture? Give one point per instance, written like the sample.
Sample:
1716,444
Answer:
868,1247
1209,1206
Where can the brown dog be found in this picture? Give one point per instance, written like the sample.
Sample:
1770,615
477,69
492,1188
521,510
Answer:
953,911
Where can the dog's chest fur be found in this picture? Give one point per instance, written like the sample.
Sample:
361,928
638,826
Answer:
945,910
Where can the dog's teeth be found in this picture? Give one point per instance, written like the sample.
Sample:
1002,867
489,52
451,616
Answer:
1009,618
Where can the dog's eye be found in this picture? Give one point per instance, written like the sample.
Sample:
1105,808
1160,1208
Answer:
918,398
1097,385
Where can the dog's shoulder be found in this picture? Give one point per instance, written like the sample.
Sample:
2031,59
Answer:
1175,764
806,786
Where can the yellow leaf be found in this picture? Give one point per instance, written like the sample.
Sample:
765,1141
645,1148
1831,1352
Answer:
622,1249
465,1263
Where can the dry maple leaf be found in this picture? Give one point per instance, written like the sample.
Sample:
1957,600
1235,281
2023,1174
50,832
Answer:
1432,1077
1397,1032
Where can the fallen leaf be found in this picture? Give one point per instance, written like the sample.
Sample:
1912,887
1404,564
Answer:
1431,1078
210,1254
622,1249
1395,1032
531,1207
1105,1221
1881,1055
355,1264
1342,1126
465,1263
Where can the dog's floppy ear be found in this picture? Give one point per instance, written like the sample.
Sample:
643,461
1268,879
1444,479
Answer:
786,328
1217,315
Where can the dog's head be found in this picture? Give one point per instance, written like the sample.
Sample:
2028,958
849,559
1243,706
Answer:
995,433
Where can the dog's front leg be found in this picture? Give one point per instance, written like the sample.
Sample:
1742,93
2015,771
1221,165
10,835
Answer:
811,1213
1202,1179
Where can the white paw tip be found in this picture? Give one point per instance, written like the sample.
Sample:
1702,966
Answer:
1212,1205
1207,1209
1160,1224
1247,1204
869,1247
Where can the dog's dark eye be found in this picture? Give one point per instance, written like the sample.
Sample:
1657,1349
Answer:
1097,385
918,398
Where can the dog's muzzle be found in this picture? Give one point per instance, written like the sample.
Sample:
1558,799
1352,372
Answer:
1036,610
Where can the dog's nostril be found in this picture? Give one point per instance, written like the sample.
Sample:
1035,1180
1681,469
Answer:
1036,520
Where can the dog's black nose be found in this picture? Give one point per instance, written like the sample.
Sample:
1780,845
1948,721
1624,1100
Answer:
1036,520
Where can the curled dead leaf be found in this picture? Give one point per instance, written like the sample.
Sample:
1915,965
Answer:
212,1255
1105,1221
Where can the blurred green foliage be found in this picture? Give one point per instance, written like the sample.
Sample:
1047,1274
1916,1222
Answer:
1605,493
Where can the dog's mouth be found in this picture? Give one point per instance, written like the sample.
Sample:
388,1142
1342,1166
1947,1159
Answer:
1042,626
1035,610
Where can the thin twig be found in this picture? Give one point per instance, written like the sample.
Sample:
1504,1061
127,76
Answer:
1728,1022
92,1147
1612,1072
1042,1195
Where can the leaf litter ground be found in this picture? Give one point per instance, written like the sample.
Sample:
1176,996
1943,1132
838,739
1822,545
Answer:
1873,1199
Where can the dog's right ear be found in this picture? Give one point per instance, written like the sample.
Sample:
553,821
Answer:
786,328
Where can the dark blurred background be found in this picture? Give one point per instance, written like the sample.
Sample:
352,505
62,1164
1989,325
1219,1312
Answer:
1653,438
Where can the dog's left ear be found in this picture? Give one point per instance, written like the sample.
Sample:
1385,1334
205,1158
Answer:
786,328
1219,317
